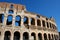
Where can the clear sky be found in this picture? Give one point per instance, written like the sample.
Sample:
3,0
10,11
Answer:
46,8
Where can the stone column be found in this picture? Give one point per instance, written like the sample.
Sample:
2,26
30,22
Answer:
45,24
2,36
21,36
41,22
42,36
48,23
35,22
12,36
29,21
36,36
47,37
29,36
5,20
13,21
22,19
5,17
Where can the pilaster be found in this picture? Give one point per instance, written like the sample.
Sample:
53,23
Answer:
29,21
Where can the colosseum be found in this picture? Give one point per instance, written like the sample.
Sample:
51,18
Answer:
16,23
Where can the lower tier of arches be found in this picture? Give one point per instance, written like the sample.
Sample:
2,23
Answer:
27,36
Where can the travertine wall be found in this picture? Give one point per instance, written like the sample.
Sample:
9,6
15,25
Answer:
35,27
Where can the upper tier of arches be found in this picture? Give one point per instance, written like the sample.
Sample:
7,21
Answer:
15,14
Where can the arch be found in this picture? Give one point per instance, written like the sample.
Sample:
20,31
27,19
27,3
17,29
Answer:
53,26
17,20
10,12
50,25
43,23
0,33
38,22
47,24
9,20
37,16
11,6
52,37
45,36
55,37
39,36
32,21
25,20
33,35
1,18
16,35
49,37
25,36
7,35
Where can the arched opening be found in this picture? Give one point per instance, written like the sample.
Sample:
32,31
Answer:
49,37
37,16
1,18
53,26
9,20
47,24
39,36
7,35
45,36
33,35
55,37
25,20
32,21
11,6
17,21
0,33
52,37
10,11
43,23
38,22
16,36
25,36
50,25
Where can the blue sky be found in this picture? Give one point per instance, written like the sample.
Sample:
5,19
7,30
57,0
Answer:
46,8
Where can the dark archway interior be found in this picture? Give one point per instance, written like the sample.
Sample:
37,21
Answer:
26,20
38,23
10,11
1,18
47,24
49,37
7,35
39,36
43,23
16,36
25,36
52,37
9,20
33,34
45,37
32,21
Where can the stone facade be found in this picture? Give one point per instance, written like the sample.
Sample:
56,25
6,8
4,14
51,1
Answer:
23,25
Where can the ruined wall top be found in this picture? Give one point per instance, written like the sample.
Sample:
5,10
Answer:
18,8
15,6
